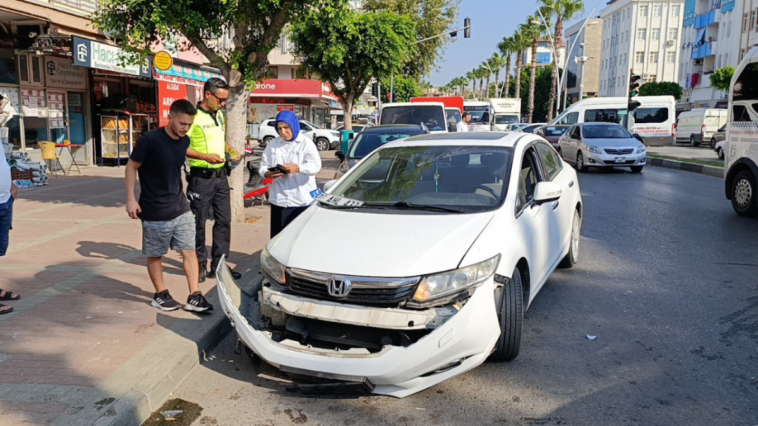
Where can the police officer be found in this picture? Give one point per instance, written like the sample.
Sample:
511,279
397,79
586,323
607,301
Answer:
207,186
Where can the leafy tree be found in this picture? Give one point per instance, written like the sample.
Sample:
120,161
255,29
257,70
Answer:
722,78
541,91
497,62
347,49
521,42
405,88
255,26
661,89
533,32
431,18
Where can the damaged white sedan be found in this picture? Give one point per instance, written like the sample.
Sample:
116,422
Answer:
416,266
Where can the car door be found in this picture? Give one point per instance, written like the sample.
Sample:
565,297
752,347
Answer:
533,219
565,142
562,210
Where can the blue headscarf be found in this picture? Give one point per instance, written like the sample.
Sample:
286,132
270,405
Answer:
291,120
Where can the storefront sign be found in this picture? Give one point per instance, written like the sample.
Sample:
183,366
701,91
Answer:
91,54
280,108
187,72
163,61
168,93
293,88
62,74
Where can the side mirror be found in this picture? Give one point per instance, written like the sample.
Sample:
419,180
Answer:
329,184
340,155
452,127
547,191
639,138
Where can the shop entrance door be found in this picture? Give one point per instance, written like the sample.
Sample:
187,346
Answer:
76,118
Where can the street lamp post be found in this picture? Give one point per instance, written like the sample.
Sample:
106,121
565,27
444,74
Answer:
581,59
552,45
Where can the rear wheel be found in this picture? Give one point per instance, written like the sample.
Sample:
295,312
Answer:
572,257
322,144
580,162
692,141
720,153
636,169
509,302
713,143
743,194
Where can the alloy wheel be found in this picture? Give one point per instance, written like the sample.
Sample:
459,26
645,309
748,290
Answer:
743,193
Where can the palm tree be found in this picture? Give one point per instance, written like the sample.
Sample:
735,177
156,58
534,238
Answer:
506,47
562,10
532,32
521,43
483,72
471,76
497,62
488,69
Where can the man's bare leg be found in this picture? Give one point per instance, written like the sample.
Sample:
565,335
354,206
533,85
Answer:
155,270
190,269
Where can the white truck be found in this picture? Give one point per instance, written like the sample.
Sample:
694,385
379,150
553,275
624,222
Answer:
505,111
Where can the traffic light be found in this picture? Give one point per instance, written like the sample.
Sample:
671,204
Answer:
634,90
467,28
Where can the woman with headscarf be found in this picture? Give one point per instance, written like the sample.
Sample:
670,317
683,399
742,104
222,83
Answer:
292,161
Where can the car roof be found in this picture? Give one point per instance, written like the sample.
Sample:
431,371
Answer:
504,139
598,123
390,128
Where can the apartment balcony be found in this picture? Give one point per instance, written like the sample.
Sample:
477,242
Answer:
727,5
702,21
704,50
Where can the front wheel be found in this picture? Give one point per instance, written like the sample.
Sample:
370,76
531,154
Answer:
509,302
580,162
572,257
713,143
743,194
720,153
322,144
266,141
636,169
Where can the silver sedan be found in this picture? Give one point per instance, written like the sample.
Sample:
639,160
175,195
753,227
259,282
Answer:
603,145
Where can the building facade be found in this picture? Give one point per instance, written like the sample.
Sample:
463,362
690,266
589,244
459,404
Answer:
642,35
716,33
586,43
545,53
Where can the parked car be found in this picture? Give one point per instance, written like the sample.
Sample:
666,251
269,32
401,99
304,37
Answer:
603,145
516,126
449,239
531,127
720,149
719,136
370,140
323,138
699,125
357,128
552,134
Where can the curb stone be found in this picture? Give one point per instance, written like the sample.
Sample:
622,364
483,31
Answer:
688,167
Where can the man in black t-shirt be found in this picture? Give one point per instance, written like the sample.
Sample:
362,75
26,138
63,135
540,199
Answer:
158,158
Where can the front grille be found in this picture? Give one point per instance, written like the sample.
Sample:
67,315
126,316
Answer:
611,162
364,291
620,151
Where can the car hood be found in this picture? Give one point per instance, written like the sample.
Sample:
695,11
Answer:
386,244
612,142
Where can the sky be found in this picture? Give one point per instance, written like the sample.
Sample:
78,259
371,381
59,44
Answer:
491,20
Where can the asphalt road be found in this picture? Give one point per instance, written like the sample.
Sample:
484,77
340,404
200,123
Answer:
666,281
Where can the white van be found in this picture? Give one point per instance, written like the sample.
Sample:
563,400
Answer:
741,156
699,125
430,114
505,111
480,115
654,118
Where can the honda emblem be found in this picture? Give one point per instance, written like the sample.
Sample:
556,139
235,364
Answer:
338,287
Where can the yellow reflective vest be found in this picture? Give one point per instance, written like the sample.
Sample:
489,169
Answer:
207,137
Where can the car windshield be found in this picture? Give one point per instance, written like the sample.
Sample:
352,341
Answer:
366,143
554,131
506,119
311,124
479,114
453,114
463,178
432,117
605,132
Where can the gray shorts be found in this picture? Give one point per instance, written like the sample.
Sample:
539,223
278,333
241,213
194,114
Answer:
159,236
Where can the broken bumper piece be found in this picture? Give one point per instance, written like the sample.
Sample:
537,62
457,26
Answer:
459,340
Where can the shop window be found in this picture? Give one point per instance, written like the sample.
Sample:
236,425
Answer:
30,69
8,73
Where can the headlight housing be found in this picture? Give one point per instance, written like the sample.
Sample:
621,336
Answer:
641,149
447,283
272,269
593,149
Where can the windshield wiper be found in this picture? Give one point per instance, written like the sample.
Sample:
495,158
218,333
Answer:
410,206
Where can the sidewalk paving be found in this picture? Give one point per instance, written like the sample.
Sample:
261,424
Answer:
83,345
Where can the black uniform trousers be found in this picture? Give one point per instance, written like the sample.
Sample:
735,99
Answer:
282,216
206,194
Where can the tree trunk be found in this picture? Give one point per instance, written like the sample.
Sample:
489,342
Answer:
557,59
487,90
481,88
497,81
236,129
532,82
519,60
348,112
473,88
507,77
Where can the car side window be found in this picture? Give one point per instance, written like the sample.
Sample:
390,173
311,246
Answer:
304,127
570,118
271,123
550,161
529,175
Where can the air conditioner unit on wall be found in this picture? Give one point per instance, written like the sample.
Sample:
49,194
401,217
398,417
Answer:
646,75
699,61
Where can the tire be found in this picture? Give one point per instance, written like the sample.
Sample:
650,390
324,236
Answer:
572,257
743,194
509,303
322,144
713,143
720,153
692,141
580,163
266,141
636,169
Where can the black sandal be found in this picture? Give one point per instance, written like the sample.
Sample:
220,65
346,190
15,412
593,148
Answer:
6,311
9,296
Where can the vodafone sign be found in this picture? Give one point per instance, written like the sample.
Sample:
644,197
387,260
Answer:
313,89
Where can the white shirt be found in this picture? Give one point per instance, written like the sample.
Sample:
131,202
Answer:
292,190
462,126
5,177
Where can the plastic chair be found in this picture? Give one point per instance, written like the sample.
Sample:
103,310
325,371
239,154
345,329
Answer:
49,155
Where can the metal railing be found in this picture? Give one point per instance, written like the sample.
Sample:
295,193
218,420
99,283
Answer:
83,5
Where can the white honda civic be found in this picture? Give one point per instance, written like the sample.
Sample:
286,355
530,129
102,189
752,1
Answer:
416,266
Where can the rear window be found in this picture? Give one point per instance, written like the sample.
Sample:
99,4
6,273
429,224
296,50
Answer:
651,115
431,117
608,115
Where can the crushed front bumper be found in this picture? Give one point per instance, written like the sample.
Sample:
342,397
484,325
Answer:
460,343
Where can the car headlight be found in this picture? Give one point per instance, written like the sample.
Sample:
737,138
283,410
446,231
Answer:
641,149
451,282
271,268
593,149
335,134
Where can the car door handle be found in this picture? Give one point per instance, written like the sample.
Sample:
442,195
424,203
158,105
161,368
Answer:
571,184
555,204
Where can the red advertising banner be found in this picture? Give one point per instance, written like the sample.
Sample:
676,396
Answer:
293,88
280,108
168,92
